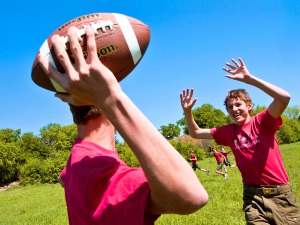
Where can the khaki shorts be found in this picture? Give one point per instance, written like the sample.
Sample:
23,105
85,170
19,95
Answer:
220,167
276,205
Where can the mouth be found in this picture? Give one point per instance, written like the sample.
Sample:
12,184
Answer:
236,115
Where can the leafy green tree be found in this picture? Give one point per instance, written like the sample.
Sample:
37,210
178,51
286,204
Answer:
9,153
41,171
57,137
205,116
9,135
185,148
32,146
286,135
170,131
293,112
257,109
127,155
43,157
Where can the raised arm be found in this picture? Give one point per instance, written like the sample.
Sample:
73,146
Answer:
174,186
187,103
238,71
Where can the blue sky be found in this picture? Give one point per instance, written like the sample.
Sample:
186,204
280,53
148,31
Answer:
190,43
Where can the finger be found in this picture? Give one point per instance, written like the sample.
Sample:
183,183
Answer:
91,45
235,62
225,69
50,70
75,47
187,92
230,76
194,101
230,66
192,92
62,55
242,62
183,93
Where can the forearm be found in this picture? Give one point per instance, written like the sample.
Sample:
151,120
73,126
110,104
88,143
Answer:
194,130
165,169
280,96
273,91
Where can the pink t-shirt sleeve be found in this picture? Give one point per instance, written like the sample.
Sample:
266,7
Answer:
62,175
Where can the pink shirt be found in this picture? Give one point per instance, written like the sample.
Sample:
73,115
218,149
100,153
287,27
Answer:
218,157
101,189
193,158
255,148
223,152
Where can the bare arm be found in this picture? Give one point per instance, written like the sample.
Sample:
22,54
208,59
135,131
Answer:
281,98
174,186
187,103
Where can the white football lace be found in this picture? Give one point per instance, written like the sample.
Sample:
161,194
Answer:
101,24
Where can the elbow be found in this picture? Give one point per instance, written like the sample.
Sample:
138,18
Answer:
191,203
198,201
193,134
286,98
182,204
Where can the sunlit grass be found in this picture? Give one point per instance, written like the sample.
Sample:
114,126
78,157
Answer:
45,204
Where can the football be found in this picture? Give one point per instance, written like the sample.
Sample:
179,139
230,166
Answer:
121,43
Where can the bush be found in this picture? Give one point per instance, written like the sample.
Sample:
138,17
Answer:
286,134
185,148
8,162
127,155
41,171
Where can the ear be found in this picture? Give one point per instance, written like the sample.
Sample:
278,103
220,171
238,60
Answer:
249,106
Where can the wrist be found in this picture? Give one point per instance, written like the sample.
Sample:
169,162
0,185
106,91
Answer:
250,78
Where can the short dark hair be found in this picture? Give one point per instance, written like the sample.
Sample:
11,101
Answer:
81,114
241,94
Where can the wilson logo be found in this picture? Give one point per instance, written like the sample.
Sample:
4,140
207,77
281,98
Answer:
106,50
100,52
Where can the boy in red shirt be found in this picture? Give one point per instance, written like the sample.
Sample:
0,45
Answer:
193,159
221,166
268,198
226,159
100,188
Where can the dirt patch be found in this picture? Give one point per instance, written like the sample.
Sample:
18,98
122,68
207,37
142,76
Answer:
3,188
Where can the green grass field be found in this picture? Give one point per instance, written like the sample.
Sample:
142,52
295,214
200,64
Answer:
45,204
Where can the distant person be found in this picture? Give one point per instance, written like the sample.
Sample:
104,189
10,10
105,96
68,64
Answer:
193,159
226,160
221,169
268,198
99,187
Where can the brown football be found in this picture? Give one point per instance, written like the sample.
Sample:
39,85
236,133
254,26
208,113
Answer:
121,43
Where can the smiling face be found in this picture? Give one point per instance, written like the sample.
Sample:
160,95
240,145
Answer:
238,104
239,111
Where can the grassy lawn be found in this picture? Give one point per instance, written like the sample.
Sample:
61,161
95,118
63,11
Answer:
45,204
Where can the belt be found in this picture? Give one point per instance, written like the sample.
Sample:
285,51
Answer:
268,189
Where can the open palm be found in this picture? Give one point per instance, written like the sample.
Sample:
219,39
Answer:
186,98
238,71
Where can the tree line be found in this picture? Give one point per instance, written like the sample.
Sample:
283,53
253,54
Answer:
31,159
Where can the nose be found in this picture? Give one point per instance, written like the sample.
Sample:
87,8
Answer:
234,108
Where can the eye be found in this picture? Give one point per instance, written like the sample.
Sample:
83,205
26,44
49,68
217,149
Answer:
229,107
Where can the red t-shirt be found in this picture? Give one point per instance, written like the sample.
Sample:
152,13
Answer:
255,148
218,157
193,158
101,189
223,152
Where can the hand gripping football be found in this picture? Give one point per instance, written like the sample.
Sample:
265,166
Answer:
121,43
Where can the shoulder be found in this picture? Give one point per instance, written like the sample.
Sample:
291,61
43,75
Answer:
266,120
